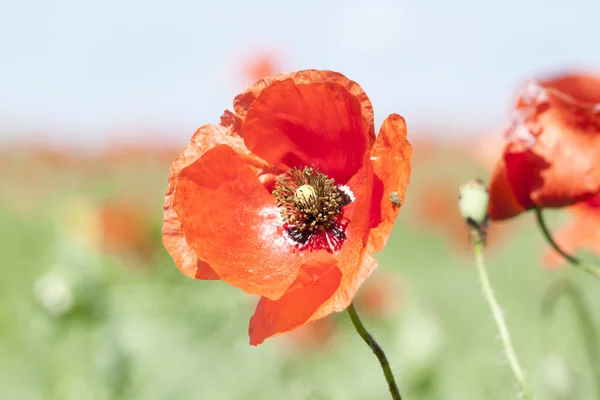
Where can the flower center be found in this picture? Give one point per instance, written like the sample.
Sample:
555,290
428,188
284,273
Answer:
311,207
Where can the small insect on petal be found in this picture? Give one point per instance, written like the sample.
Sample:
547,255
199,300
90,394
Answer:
395,199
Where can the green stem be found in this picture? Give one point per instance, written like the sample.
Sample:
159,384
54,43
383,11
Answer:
385,365
594,271
498,314
568,288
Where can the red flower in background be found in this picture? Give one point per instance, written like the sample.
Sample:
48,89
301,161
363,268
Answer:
552,158
315,335
381,295
288,197
261,65
437,211
126,229
583,232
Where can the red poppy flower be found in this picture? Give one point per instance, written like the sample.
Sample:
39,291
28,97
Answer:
126,229
437,211
288,197
262,66
258,65
583,232
552,158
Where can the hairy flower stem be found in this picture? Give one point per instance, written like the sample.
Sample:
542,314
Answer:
567,288
497,313
385,365
594,271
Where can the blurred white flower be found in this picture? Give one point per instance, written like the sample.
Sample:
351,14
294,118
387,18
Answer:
557,377
54,294
420,341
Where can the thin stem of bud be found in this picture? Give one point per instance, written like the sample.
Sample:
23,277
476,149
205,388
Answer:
590,269
498,314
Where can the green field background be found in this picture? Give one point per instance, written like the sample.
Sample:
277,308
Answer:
139,329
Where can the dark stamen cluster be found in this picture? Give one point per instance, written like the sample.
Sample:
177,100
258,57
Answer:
310,203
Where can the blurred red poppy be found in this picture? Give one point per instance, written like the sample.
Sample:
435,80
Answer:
583,232
261,65
552,158
381,295
437,211
126,229
288,197
314,335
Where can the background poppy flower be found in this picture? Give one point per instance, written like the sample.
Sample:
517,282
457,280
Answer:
226,217
126,228
261,64
317,335
381,296
582,232
552,158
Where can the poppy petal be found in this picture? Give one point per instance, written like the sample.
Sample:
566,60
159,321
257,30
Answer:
312,124
176,244
503,202
553,158
390,156
243,101
312,288
355,260
231,221
352,279
174,240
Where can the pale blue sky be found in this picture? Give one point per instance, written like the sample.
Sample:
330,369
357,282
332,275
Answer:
74,67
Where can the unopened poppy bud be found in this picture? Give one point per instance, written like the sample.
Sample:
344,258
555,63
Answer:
473,202
305,195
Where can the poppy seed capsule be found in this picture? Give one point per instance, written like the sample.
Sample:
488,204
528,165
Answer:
473,202
305,195
311,204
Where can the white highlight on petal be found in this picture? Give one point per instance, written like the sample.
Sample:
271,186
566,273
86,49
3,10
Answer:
346,189
271,230
523,126
534,94
520,132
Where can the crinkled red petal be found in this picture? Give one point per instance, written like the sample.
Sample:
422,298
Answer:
316,124
553,158
232,223
314,285
205,138
390,156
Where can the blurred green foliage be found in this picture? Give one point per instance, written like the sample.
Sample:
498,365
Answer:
78,322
